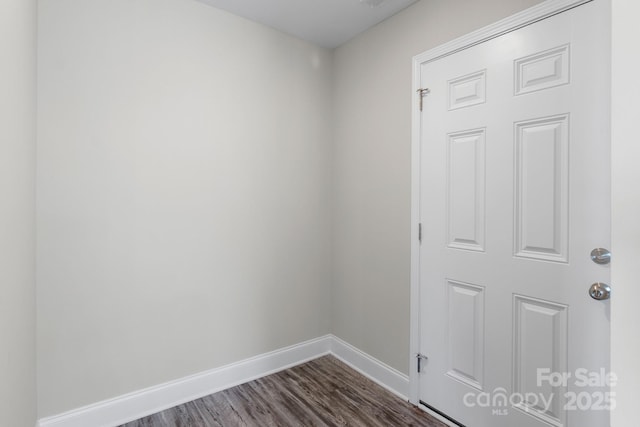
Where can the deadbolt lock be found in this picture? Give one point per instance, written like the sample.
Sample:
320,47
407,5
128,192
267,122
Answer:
601,256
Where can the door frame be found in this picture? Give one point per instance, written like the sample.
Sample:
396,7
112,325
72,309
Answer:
536,13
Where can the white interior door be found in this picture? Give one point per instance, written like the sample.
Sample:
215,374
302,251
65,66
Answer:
514,195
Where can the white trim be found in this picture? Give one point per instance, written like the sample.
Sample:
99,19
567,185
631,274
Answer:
414,303
507,25
386,376
132,406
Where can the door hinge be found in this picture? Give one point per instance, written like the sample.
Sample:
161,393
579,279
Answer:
421,94
420,358
420,232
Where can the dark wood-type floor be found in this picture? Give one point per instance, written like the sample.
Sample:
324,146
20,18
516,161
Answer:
323,392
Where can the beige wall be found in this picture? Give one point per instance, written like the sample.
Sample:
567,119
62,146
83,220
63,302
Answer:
182,194
371,177
17,227
625,268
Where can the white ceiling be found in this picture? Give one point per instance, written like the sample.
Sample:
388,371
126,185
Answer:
327,23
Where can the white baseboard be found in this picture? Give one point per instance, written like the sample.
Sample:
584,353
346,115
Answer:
388,377
132,406
129,407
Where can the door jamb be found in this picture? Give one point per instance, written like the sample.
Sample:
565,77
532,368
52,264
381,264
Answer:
528,16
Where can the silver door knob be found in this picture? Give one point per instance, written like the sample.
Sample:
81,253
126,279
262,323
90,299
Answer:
601,256
600,291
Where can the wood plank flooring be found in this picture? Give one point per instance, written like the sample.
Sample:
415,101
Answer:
323,392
